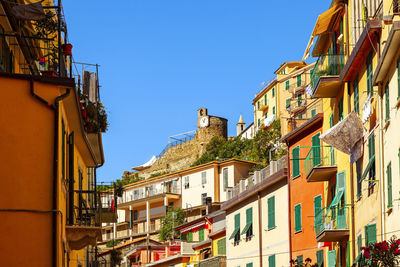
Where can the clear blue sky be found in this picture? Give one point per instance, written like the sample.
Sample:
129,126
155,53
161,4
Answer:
161,60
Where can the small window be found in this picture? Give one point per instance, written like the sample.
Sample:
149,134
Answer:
271,212
296,161
201,234
298,80
221,246
297,218
186,182
313,112
204,198
288,103
225,177
387,102
340,107
203,178
273,92
287,85
273,110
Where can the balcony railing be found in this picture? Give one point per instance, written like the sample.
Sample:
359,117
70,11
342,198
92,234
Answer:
296,86
296,105
332,224
257,177
151,191
86,209
320,163
215,261
327,65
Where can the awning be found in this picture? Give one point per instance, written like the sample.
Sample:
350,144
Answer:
234,233
345,134
246,228
326,22
370,163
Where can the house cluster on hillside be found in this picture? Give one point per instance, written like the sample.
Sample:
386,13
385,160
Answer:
336,190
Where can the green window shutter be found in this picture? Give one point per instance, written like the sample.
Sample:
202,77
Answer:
271,212
372,234
317,205
320,258
359,243
265,99
266,115
389,184
130,219
301,116
249,215
300,260
387,104
296,161
313,112
288,103
184,237
299,100
259,123
62,149
273,92
369,74
297,218
221,246
340,106
250,264
356,96
298,80
271,261
316,147
332,258
331,121
359,177
258,104
190,237
225,178
237,222
287,85
273,110
201,234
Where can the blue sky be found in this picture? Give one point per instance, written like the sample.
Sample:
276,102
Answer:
161,60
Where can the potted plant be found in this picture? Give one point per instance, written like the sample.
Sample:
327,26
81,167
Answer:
67,49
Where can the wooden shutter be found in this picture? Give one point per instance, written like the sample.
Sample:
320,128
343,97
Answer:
297,218
371,233
271,212
320,258
221,246
265,99
316,147
287,85
298,80
237,221
369,74
359,243
201,234
341,116
313,112
300,260
190,236
332,258
71,181
295,160
271,261
387,104
62,149
356,96
130,219
317,205
389,186
250,264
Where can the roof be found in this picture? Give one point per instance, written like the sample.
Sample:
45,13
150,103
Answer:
240,119
170,259
211,235
266,88
127,244
212,163
290,64
202,243
317,118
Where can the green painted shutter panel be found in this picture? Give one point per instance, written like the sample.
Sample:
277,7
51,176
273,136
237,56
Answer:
273,92
249,215
237,221
331,121
359,243
271,261
130,219
250,264
369,74
317,205
371,229
300,260
265,99
299,100
332,258
320,258
341,116
190,238
271,212
297,218
287,85
387,104
313,112
341,180
273,110
221,246
298,80
184,237
356,96
295,160
316,147
288,103
201,234
389,186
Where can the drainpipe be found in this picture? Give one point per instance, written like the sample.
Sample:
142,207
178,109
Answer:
259,227
289,202
381,167
55,170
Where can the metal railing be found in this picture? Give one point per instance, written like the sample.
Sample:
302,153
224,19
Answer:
327,65
215,261
180,141
334,218
323,156
257,177
296,85
86,208
149,191
295,104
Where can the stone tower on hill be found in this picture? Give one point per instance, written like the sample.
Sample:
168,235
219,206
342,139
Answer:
182,153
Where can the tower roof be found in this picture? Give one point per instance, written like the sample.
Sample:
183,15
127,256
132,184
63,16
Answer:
240,119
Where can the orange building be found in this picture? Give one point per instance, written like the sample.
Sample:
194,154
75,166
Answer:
305,197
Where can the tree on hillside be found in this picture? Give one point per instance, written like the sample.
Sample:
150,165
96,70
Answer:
173,218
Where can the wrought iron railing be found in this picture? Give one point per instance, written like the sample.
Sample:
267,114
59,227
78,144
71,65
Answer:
327,65
324,156
331,218
295,85
295,104
149,191
86,208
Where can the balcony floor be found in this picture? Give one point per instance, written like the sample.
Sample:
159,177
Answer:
333,235
327,87
321,173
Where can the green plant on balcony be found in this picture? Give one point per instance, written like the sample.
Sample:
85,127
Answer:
113,243
97,120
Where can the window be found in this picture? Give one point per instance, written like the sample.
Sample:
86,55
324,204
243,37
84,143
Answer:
332,258
271,212
313,112
370,234
265,99
356,96
266,115
340,107
398,78
204,198
369,74
250,264
288,103
299,96
258,104
225,177
300,116
300,260
331,121
201,234
320,258
389,184
236,231
273,110
273,92
287,85
371,153
248,229
190,236
271,261
297,218
259,124
203,178
359,175
135,215
186,183
296,161
131,219
221,244
387,102
316,147
298,80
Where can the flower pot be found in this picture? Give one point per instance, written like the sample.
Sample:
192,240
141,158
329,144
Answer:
89,128
49,73
67,49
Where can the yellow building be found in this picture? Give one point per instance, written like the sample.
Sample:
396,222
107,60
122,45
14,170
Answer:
346,46
49,208
265,106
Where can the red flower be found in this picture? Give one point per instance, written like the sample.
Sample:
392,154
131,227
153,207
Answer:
367,255
398,241
396,252
362,248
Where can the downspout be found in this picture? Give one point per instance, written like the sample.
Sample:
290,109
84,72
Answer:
381,167
259,227
289,202
55,170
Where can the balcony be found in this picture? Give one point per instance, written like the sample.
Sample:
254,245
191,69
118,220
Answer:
84,219
325,79
215,261
332,224
297,87
320,164
296,106
264,107
267,122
